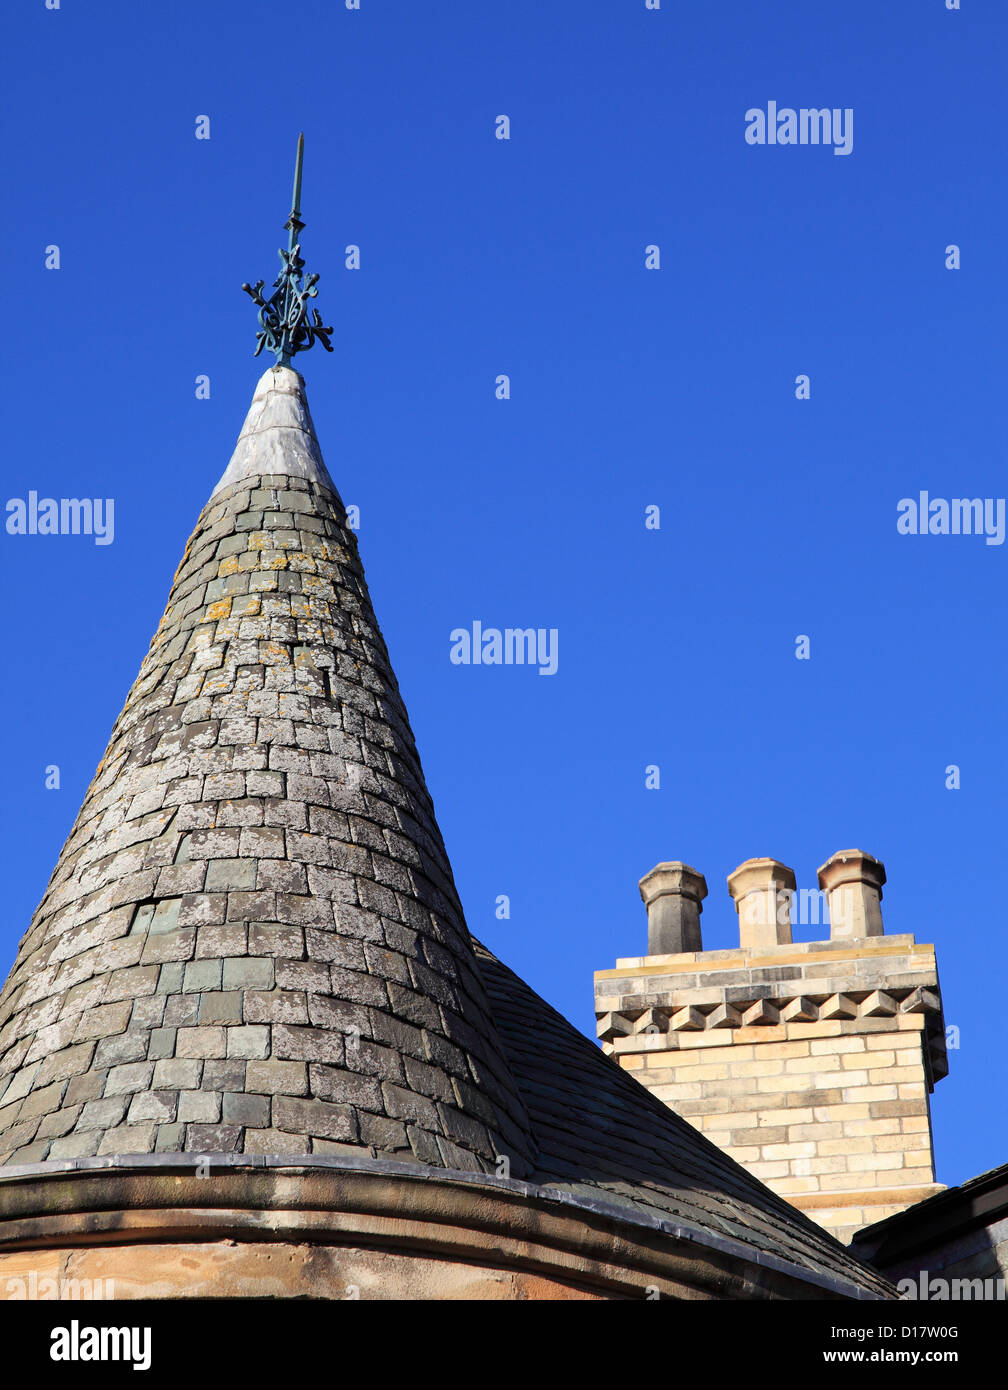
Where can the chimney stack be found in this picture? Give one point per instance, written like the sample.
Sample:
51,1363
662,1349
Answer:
809,1062
762,890
854,882
672,893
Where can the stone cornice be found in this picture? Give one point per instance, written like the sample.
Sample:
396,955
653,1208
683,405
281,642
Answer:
406,1210
652,1003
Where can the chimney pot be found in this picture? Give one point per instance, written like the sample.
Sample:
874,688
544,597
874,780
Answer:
762,890
673,894
853,880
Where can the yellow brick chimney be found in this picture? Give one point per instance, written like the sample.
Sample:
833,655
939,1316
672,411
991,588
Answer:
811,1063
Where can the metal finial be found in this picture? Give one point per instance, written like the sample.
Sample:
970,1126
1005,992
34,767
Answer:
296,200
286,325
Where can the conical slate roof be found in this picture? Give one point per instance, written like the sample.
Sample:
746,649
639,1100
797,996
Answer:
252,942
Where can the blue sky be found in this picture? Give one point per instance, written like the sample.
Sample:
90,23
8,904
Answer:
629,387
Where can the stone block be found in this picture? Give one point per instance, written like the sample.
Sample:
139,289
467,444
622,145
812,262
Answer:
314,1117
196,1042
296,1044
181,1010
221,939
277,1078
41,1101
403,1104
308,975
248,973
85,1087
762,1013
102,1021
383,1134
133,1076
724,1016
226,874
70,1061
170,978
249,1042
203,1107
273,939
170,1138
247,1110
878,1004
177,1074
838,1006
202,976
169,946
125,1047
162,1043
799,1010
202,909
275,1006
166,916
148,1012
276,1141
211,1139
221,1007
76,1145
221,1075
153,1105
20,1084
129,1139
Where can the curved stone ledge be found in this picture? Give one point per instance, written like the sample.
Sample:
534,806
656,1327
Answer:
274,1228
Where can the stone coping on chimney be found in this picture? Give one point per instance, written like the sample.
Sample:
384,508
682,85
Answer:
776,955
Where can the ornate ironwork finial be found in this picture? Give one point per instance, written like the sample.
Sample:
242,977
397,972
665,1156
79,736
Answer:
287,324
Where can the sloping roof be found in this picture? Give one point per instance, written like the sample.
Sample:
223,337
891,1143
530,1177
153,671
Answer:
252,943
600,1134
